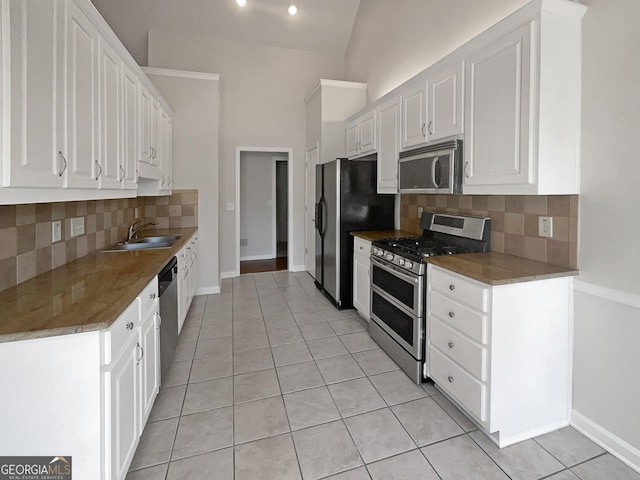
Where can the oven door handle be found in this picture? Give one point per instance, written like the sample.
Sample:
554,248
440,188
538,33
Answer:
395,271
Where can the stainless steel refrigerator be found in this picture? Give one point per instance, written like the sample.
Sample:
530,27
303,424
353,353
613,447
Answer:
346,201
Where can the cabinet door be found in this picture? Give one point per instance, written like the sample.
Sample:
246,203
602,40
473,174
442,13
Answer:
414,115
130,128
146,108
388,145
149,363
167,153
82,100
110,117
155,133
367,133
36,43
122,393
445,102
498,104
361,284
352,138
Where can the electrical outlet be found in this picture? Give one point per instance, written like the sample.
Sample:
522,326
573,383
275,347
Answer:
56,231
420,210
545,227
77,226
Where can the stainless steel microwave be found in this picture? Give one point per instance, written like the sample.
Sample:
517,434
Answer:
432,169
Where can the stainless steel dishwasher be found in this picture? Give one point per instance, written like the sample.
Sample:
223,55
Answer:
168,290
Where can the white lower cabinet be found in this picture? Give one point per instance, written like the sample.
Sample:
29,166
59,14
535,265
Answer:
187,278
90,392
501,353
361,278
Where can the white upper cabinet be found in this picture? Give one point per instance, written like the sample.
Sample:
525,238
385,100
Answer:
84,170
499,101
130,129
111,118
388,145
445,101
414,126
522,103
35,107
353,136
146,109
361,135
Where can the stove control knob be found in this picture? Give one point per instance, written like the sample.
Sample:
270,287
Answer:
380,252
408,264
401,262
389,256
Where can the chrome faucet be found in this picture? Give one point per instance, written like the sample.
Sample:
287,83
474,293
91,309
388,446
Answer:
133,230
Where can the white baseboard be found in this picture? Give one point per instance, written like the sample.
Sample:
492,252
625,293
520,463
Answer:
266,256
207,290
228,274
613,444
297,268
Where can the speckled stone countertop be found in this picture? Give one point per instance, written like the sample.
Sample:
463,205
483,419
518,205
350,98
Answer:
500,269
371,235
84,295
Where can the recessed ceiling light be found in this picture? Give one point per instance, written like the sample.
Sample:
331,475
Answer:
241,3
293,10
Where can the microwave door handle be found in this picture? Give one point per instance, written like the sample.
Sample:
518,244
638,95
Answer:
434,165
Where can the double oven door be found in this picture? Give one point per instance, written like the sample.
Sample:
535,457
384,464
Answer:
397,305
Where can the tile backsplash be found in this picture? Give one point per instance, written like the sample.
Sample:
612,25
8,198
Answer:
514,222
26,247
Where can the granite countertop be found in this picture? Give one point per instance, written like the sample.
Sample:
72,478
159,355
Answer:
371,235
500,269
84,295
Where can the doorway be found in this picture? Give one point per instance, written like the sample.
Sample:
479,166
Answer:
263,219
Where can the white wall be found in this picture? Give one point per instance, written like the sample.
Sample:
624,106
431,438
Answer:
393,40
262,105
257,205
195,104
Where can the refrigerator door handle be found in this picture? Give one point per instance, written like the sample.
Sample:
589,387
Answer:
323,224
319,217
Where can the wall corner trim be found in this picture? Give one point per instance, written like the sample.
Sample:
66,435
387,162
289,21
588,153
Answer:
620,449
208,290
625,298
229,274
297,268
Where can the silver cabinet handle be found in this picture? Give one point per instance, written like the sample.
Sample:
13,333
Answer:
450,344
137,174
430,128
64,163
152,296
130,326
141,352
423,129
162,177
99,170
452,287
124,173
466,169
452,314
450,378
168,180
150,151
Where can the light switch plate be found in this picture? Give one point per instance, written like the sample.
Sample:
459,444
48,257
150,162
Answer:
77,226
56,231
545,227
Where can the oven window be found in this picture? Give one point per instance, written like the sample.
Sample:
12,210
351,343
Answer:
398,288
396,319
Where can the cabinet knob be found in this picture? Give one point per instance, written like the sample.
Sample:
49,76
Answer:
152,296
450,378
452,314
450,344
130,326
452,287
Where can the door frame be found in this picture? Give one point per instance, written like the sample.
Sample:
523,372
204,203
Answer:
309,208
288,153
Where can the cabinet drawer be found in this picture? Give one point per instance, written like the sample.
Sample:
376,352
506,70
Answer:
119,333
149,298
361,247
460,349
470,322
471,393
458,288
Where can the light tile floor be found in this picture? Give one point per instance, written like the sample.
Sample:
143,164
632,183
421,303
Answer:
270,381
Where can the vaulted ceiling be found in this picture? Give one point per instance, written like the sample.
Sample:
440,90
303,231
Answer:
320,25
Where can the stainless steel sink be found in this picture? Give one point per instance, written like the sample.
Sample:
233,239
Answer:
157,239
128,247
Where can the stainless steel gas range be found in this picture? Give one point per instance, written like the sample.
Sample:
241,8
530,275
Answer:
399,280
